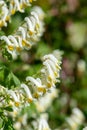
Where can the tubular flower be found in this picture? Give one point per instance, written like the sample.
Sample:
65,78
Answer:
27,92
37,86
26,35
14,97
51,69
75,119
11,9
43,124
19,5
4,14
39,11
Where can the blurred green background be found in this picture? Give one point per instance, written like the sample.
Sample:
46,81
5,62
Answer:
66,30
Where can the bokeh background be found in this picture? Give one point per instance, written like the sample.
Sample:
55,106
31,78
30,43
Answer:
66,30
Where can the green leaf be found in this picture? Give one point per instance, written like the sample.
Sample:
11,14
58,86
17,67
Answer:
12,80
6,54
9,108
8,124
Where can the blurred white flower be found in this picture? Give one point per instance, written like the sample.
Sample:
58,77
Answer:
81,66
77,35
43,124
85,128
75,119
28,92
43,103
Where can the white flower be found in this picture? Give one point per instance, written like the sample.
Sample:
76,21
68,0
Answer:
75,119
23,32
72,124
4,17
5,12
30,26
39,11
49,73
17,125
53,67
16,5
38,84
85,128
10,46
14,97
51,57
45,101
43,124
78,113
13,40
22,40
37,26
28,92
81,66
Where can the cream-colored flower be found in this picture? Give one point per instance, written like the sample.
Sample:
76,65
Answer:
27,92
85,128
44,102
43,124
36,84
26,35
75,119
14,97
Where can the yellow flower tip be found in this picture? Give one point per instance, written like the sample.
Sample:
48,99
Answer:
23,42
28,45
37,26
49,78
24,5
18,49
29,100
36,95
1,23
17,104
30,33
12,2
11,48
7,18
20,119
13,11
21,6
40,89
30,1
49,85
57,66
55,73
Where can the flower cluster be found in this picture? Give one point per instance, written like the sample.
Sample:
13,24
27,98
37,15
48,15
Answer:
40,123
49,75
27,34
75,119
13,6
33,88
